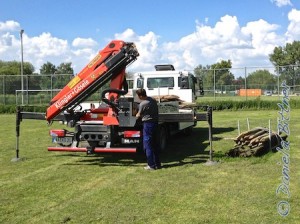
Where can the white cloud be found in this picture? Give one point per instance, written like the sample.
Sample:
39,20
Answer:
280,3
84,42
127,35
40,49
263,36
248,45
8,40
45,47
225,40
293,30
147,46
84,50
9,26
81,57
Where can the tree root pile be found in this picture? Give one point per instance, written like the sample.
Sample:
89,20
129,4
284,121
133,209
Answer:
255,142
167,98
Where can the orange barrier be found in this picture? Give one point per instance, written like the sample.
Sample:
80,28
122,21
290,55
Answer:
250,92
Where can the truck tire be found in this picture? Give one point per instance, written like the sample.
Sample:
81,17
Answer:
188,131
162,138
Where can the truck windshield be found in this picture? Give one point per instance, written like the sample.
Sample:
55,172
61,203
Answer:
160,82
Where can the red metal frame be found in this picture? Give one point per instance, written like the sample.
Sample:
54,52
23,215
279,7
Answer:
95,69
57,132
132,134
108,66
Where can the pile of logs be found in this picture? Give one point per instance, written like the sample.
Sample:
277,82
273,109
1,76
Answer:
255,142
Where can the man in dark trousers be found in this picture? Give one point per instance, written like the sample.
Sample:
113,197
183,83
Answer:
148,112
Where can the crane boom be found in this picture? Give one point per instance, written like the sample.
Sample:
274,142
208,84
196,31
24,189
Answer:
106,66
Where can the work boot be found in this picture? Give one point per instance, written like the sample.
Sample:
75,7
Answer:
158,167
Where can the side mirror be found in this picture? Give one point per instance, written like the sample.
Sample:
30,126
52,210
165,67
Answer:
184,84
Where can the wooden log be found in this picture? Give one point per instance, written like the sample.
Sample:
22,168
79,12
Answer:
260,150
258,133
246,133
256,140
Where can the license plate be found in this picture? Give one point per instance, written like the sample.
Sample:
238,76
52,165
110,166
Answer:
63,140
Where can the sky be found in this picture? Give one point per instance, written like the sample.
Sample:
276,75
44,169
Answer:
185,33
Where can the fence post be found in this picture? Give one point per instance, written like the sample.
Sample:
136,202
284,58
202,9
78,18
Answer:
278,88
51,85
210,161
214,84
246,82
27,88
270,143
4,96
18,121
248,124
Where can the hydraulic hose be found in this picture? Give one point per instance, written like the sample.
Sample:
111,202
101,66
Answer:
122,92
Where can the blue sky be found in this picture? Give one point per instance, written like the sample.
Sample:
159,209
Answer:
184,33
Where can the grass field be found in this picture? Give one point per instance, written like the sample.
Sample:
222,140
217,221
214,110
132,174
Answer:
48,187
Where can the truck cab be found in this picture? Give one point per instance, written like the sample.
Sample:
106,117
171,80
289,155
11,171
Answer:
166,81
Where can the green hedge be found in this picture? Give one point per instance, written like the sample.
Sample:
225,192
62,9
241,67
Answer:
248,105
10,109
257,104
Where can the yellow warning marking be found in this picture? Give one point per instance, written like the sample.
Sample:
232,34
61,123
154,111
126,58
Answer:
74,82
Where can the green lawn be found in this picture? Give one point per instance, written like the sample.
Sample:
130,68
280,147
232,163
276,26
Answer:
49,187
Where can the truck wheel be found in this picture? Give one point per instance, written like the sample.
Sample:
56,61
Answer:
188,131
162,138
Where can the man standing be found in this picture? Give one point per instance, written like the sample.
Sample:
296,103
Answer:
148,112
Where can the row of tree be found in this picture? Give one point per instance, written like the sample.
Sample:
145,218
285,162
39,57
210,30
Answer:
14,67
286,59
50,76
220,75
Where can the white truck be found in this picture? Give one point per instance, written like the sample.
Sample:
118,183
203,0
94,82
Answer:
176,93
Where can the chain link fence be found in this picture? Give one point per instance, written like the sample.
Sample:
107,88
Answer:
33,89
248,81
